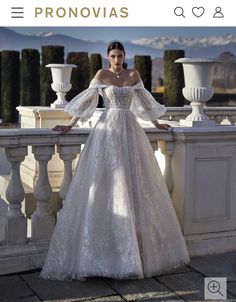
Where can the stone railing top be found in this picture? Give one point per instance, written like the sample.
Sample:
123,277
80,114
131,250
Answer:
214,129
207,108
45,136
217,133
175,111
197,60
180,111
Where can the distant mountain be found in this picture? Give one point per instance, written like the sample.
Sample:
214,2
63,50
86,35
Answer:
206,47
10,40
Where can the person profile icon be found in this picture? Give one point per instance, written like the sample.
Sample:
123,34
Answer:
218,13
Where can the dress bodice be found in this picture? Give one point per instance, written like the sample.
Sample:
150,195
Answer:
134,98
117,97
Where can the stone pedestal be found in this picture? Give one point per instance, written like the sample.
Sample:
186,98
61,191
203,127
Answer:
204,191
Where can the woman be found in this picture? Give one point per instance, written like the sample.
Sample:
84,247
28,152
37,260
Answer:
117,219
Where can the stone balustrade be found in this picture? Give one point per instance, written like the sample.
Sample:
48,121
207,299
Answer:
18,250
200,173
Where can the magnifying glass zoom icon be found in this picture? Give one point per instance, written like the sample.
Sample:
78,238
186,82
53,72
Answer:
179,11
214,287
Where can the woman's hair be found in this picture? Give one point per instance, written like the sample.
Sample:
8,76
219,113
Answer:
116,45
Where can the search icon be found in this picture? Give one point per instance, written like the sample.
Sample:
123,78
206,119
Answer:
214,287
179,11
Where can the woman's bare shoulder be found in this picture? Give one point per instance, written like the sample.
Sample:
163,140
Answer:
134,75
101,74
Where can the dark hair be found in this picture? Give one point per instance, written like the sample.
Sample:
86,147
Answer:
116,45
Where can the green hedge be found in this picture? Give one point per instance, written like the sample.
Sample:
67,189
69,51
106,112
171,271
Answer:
144,66
10,92
95,61
173,78
0,84
30,77
80,76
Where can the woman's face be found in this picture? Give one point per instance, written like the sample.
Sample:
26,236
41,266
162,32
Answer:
116,58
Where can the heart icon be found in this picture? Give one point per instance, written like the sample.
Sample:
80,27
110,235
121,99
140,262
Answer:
198,11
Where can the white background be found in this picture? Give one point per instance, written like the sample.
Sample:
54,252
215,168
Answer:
141,13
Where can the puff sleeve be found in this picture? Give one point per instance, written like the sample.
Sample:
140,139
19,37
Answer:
84,104
144,105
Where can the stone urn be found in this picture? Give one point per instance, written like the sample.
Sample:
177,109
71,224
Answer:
198,76
61,74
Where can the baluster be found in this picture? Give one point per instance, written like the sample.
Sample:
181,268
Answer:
67,154
233,121
167,148
42,221
154,145
15,222
226,121
218,118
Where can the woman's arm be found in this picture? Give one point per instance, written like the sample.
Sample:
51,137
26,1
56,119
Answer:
73,121
160,126
137,78
66,128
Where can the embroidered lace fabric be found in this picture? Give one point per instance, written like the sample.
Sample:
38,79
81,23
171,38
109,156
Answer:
117,219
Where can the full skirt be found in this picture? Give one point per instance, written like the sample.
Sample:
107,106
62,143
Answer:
117,219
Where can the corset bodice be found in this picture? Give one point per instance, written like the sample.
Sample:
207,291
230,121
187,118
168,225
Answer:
117,97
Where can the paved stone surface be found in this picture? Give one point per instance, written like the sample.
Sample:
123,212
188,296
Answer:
13,287
138,290
232,288
189,286
167,298
25,299
70,290
220,265
186,284
108,299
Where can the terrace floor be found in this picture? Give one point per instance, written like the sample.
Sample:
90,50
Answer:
184,285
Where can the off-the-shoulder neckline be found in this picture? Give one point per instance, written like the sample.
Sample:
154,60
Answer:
111,85
127,86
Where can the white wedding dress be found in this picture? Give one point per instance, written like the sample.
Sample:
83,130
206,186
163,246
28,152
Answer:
117,219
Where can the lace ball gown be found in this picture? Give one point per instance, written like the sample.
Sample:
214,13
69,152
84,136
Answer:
117,219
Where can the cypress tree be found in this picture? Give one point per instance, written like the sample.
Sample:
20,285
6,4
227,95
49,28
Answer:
30,77
0,84
144,66
51,54
80,76
95,64
10,92
173,78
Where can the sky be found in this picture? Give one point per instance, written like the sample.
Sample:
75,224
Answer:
127,33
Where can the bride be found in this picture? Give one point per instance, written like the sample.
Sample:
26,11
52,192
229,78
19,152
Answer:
117,219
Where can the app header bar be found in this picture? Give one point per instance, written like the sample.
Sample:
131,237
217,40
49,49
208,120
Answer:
116,13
